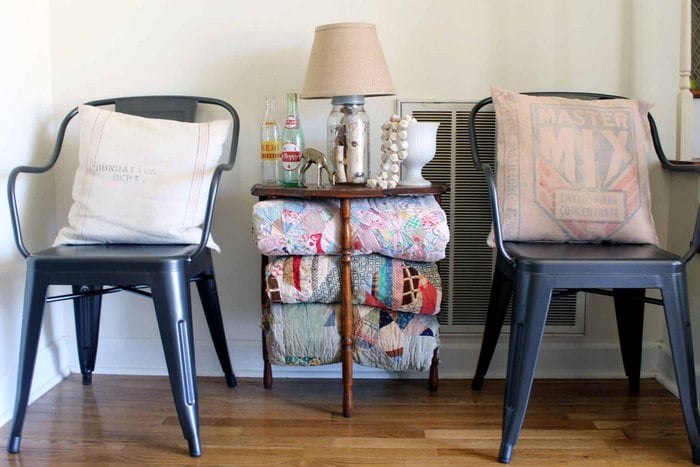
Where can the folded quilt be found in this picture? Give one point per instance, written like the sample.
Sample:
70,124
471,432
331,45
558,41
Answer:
377,280
406,227
309,334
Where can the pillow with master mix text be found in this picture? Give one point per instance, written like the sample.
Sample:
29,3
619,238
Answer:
572,170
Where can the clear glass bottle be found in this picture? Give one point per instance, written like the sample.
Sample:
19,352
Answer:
270,145
348,139
292,143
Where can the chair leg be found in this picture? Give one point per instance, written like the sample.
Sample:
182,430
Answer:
206,286
532,298
87,329
501,292
433,378
675,296
34,299
171,297
629,311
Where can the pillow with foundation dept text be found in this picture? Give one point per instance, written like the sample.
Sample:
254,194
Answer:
573,170
142,180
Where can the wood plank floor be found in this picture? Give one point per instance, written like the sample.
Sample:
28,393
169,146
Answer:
131,420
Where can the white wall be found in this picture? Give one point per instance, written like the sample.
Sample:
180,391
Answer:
241,51
26,137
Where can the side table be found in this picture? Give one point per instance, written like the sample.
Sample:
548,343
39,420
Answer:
344,193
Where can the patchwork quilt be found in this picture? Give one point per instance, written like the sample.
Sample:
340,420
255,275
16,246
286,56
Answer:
309,334
405,227
377,281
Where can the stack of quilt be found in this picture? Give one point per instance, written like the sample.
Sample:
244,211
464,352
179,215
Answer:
396,287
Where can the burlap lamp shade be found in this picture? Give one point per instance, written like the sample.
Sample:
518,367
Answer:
346,60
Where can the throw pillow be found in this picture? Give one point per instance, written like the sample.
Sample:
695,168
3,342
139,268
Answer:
572,170
142,180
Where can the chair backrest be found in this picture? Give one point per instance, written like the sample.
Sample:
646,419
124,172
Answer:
483,105
179,108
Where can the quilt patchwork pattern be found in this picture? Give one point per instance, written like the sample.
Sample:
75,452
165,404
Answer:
405,227
377,281
309,334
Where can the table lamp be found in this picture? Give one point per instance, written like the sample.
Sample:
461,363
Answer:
346,64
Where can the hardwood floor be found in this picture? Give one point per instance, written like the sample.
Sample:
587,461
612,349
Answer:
131,420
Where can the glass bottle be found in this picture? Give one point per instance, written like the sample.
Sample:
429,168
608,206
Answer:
292,143
270,145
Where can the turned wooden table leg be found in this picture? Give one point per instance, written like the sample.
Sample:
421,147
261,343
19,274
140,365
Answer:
267,367
346,318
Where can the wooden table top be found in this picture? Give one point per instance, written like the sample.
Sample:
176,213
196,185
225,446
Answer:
345,191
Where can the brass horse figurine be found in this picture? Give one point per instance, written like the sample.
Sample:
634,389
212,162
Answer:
313,156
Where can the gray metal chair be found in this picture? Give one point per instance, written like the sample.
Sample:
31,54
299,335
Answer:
533,273
95,270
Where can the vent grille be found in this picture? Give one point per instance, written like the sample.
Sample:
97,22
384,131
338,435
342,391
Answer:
466,271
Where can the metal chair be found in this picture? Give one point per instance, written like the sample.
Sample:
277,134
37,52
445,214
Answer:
95,270
529,273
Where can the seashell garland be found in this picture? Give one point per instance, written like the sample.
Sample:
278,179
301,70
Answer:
394,151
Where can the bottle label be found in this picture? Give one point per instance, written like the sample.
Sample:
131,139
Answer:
291,156
290,122
270,150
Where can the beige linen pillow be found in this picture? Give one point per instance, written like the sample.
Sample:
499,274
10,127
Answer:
573,170
141,180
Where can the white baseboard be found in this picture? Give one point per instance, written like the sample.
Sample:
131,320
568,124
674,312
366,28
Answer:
665,374
558,359
458,358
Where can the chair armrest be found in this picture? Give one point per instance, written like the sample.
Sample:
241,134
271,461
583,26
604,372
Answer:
675,166
695,243
471,128
495,213
211,202
14,210
490,177
216,177
12,181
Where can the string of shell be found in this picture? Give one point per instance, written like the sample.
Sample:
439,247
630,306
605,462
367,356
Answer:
394,151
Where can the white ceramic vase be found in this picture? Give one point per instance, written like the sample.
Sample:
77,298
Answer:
422,140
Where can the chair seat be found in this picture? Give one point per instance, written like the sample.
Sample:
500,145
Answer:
588,258
124,258
115,252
